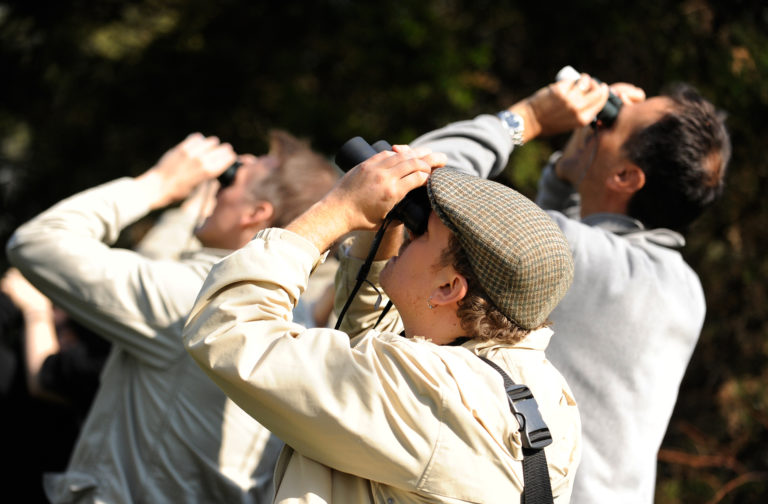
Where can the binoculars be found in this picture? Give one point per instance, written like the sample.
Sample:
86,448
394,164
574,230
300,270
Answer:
605,117
414,209
228,175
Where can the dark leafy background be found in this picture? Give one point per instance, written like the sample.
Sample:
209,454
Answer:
91,91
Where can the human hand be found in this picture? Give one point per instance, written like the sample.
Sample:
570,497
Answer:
628,93
23,294
580,148
365,195
565,105
370,190
184,167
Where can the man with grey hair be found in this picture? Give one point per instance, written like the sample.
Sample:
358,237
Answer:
159,430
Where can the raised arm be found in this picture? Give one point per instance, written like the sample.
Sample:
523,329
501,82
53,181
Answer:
66,252
241,333
482,146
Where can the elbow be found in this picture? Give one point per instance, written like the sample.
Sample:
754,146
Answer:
14,250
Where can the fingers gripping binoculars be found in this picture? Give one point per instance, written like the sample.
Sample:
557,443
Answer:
607,116
414,209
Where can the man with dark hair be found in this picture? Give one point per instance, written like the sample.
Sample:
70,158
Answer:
622,193
683,156
159,430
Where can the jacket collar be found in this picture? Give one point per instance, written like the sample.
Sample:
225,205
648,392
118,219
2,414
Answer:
536,340
633,229
215,253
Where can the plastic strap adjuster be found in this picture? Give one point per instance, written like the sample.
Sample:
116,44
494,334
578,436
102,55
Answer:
534,432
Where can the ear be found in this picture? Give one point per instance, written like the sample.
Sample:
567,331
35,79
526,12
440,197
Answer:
628,179
259,215
451,291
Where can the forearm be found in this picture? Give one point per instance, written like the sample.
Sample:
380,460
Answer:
323,224
40,341
51,248
65,252
245,305
240,333
97,215
170,236
480,146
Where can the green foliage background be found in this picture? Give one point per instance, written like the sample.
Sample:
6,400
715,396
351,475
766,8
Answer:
91,91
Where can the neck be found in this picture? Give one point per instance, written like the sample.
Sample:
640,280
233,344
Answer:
439,325
605,203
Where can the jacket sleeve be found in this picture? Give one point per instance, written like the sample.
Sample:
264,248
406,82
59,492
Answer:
556,194
170,236
480,146
135,302
344,406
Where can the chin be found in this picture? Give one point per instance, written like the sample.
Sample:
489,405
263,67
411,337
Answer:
199,233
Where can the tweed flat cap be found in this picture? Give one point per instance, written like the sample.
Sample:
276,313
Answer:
517,252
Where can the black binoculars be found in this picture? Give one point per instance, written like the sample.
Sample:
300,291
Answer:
414,209
610,112
228,175
607,116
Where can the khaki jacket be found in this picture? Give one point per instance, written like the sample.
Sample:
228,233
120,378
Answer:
384,419
158,430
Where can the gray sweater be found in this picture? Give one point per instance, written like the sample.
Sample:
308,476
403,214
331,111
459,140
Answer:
624,332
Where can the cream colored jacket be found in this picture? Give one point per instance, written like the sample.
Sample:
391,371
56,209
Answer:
158,430
384,419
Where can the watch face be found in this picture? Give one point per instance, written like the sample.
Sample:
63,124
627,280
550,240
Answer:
514,121
514,124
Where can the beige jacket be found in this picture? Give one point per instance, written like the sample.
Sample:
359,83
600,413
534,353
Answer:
158,430
384,419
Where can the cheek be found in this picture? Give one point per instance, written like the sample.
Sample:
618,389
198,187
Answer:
221,220
395,279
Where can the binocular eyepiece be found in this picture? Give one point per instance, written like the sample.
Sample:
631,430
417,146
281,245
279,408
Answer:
227,177
607,116
414,209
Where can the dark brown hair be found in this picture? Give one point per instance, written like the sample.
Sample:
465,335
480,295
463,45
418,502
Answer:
684,156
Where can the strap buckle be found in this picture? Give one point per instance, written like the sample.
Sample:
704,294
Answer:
533,430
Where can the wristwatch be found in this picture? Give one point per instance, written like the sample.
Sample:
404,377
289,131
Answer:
514,124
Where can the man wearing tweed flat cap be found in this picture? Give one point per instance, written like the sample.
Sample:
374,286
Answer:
398,406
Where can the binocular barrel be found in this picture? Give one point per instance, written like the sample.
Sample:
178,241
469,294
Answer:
607,116
414,209
356,150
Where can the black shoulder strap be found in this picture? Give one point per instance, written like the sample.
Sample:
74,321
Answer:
535,435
